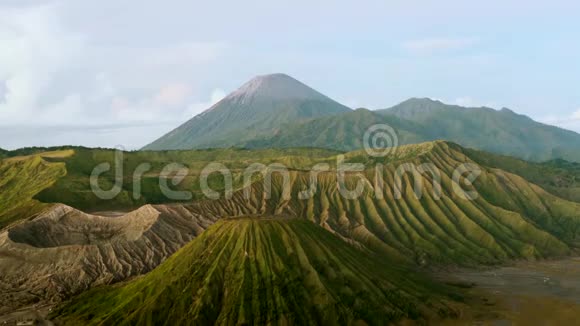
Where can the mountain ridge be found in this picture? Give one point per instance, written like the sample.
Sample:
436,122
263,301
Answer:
511,218
259,107
499,131
277,110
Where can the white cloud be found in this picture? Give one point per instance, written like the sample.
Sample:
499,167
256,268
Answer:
34,47
217,95
465,101
196,108
182,54
173,94
470,102
432,45
172,104
351,103
51,77
131,124
570,121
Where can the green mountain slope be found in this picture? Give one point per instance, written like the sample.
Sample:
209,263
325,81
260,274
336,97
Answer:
341,132
511,218
74,189
258,108
502,132
279,111
420,120
23,177
248,271
559,177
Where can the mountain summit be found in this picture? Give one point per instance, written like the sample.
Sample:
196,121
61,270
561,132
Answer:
275,87
258,108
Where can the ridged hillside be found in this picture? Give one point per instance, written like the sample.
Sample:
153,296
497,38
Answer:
249,271
21,178
63,251
74,189
511,218
559,177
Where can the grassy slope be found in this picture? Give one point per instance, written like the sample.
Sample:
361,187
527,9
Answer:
562,178
342,132
75,188
511,219
24,177
296,272
28,151
263,271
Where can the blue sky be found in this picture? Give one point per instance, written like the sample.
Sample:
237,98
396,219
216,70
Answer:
107,73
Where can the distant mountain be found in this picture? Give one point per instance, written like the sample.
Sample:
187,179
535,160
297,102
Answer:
504,132
278,111
341,132
419,120
257,109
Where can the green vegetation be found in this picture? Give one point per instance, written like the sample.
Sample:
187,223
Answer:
559,177
27,151
341,132
75,189
282,266
420,120
502,132
21,179
324,259
248,271
510,219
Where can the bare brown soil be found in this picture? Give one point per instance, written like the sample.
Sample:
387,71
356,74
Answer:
526,293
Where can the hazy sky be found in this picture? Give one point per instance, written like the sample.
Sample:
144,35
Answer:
109,72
